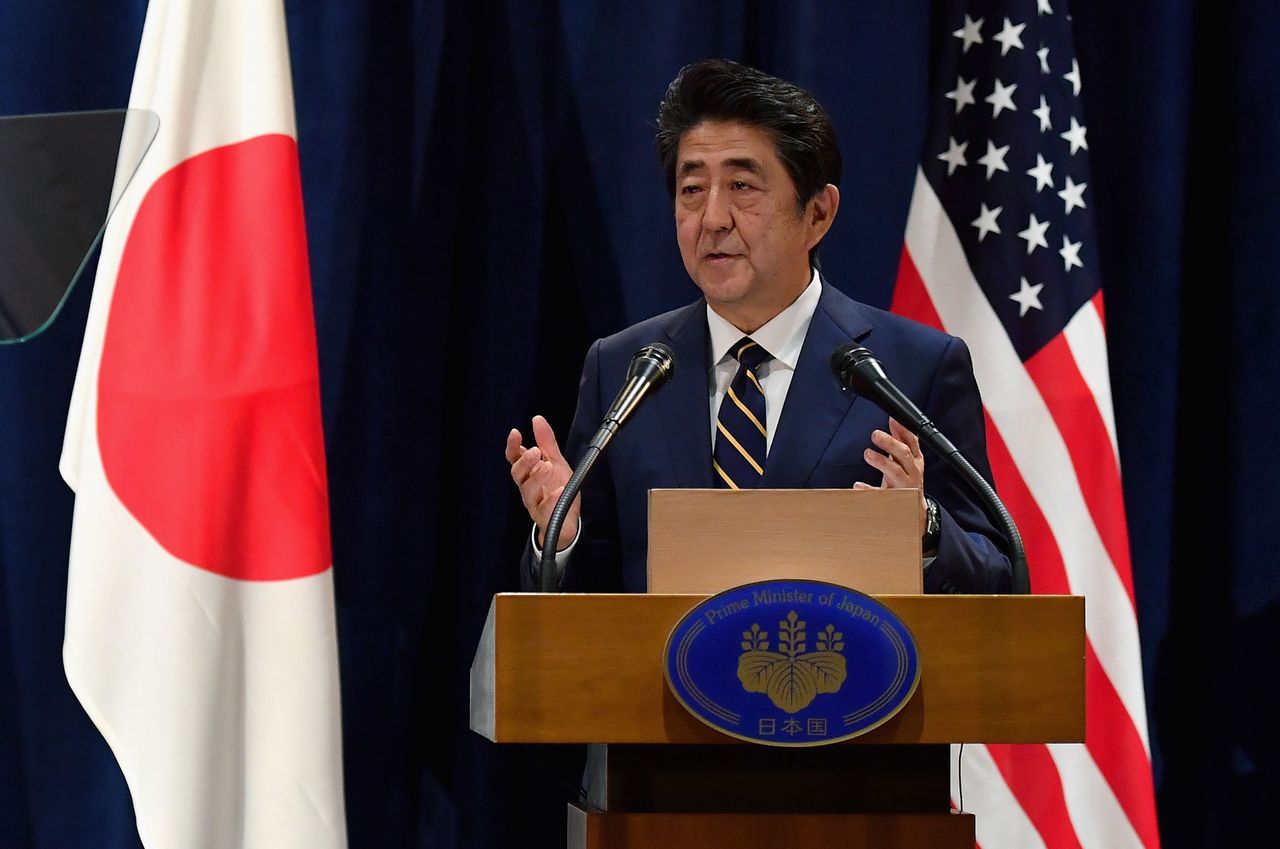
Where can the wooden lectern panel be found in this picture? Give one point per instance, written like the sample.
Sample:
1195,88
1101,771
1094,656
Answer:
710,540
588,668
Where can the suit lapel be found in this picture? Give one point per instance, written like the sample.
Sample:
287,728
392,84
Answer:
815,405
683,405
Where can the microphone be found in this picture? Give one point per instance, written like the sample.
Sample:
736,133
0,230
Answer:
651,368
858,369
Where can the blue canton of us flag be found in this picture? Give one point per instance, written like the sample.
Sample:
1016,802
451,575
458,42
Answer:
1006,156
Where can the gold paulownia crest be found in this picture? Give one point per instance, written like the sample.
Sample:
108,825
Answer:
790,677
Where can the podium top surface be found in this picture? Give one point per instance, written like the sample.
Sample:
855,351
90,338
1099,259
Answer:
589,668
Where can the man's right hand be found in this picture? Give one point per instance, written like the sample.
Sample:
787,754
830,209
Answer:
541,473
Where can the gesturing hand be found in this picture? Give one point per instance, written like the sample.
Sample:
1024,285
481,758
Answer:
541,473
901,465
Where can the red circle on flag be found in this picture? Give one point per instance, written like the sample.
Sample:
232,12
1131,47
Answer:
208,391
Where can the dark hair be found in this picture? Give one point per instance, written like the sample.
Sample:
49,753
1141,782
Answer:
720,90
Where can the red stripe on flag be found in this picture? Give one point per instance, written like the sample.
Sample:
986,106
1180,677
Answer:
1044,560
1102,316
1030,773
910,297
1071,403
1113,741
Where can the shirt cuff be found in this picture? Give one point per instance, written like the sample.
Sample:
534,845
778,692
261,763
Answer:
562,556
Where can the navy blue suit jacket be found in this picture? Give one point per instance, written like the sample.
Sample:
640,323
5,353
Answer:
818,442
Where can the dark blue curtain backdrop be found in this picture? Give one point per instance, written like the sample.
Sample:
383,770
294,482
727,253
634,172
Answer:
483,201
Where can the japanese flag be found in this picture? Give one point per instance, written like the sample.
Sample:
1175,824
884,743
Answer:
200,633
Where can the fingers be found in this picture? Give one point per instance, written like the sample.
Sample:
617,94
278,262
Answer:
539,486
545,437
900,433
898,451
514,448
900,465
525,461
890,471
528,463
894,475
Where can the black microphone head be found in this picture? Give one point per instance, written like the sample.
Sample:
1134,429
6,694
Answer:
655,362
855,366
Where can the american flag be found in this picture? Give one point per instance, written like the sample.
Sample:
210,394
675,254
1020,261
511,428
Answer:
1000,250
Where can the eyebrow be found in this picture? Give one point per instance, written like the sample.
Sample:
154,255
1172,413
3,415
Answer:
744,163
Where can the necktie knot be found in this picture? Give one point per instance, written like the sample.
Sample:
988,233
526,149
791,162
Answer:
749,353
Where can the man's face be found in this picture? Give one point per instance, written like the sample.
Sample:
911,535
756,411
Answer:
741,237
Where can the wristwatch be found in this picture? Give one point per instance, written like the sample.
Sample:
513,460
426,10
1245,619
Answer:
932,526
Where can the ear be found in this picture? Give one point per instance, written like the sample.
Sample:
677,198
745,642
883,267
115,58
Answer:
821,213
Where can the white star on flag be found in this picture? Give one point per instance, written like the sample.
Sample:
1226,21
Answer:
1072,195
1034,234
1043,172
1043,53
1001,97
1010,36
993,159
1074,77
954,157
1075,136
1070,254
962,94
1043,7
1028,297
986,221
970,33
1043,114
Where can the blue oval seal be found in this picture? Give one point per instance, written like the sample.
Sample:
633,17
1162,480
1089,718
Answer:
792,662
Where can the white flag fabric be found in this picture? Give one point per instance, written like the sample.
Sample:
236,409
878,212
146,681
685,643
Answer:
200,633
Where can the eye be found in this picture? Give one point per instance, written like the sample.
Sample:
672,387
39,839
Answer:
690,189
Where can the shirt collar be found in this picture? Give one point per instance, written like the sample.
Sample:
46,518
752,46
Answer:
782,336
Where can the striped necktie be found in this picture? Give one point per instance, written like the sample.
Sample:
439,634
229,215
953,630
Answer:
741,437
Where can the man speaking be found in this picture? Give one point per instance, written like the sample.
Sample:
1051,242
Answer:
752,165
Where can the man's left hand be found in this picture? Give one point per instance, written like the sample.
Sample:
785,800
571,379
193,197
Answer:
901,465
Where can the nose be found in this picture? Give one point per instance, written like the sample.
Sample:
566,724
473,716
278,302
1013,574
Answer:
718,215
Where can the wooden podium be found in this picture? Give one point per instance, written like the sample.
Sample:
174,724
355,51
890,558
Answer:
588,669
